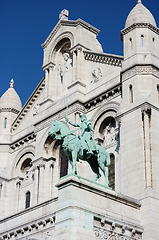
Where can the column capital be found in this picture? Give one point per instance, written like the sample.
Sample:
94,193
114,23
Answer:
48,66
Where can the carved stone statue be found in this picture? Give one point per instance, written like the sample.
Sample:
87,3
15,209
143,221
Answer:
83,147
65,70
109,134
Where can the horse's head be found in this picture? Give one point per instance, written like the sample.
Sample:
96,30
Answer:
54,129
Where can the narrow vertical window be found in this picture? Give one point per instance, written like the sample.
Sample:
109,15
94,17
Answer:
158,90
5,123
111,172
142,40
131,44
27,200
153,40
131,94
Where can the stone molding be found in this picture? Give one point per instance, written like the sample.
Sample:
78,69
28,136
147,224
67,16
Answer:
109,59
70,23
66,34
140,70
31,228
13,110
76,107
107,107
28,105
96,188
22,142
139,25
107,96
142,106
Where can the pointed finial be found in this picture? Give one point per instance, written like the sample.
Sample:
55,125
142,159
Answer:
12,83
139,1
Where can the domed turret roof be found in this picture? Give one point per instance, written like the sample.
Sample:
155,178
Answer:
10,99
140,14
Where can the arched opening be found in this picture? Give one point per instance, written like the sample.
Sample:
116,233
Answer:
27,199
26,165
111,172
130,94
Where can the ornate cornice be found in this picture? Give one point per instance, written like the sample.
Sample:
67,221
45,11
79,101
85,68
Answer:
140,70
32,228
109,59
22,142
107,96
139,25
13,110
28,105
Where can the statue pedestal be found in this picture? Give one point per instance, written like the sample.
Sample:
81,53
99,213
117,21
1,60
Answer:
81,201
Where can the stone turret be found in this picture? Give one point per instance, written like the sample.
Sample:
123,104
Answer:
10,106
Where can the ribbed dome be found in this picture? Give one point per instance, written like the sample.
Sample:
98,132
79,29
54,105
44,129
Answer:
139,14
10,99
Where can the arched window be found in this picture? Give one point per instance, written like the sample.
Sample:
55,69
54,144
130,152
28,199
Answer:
5,123
142,40
26,164
131,94
27,199
63,163
111,172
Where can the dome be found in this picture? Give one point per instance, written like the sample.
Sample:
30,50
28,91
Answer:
10,99
139,14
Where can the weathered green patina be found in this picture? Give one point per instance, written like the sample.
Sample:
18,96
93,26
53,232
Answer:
83,147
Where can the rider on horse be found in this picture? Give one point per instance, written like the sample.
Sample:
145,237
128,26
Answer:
86,133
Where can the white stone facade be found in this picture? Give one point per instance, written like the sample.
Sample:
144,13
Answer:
39,199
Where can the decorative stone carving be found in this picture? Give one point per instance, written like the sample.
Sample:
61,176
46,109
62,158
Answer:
64,70
96,75
36,109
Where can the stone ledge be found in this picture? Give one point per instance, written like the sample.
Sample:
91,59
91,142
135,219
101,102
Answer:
96,188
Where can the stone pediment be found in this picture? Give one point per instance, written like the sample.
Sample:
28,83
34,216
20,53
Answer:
69,23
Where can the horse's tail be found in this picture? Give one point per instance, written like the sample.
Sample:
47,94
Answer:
106,156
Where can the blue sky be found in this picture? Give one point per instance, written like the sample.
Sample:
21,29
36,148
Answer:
25,24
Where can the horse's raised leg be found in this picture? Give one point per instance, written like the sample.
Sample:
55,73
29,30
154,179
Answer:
74,159
101,159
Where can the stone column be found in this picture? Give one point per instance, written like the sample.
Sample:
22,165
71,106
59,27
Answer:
41,181
49,85
51,82
74,65
1,200
46,82
146,115
36,186
18,184
78,63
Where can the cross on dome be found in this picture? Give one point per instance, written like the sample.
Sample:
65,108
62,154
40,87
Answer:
139,1
11,83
